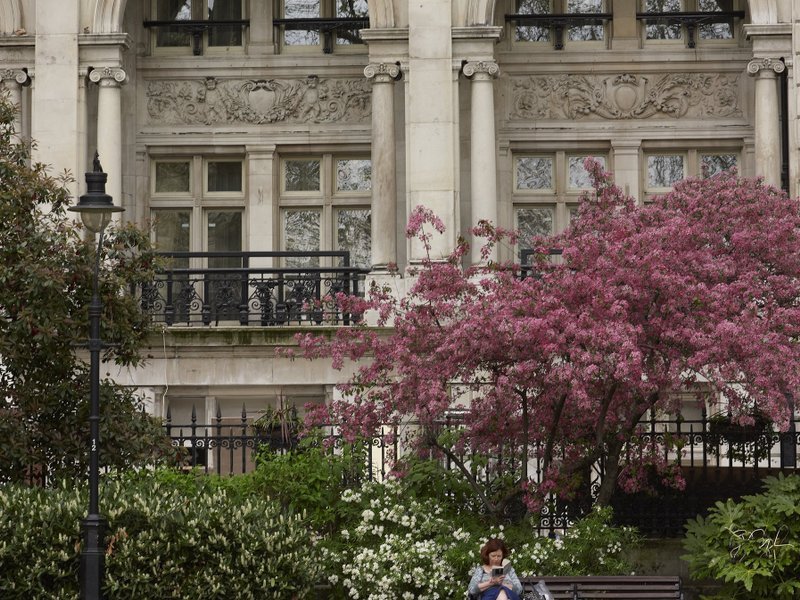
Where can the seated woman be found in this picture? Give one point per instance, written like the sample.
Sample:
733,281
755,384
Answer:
484,585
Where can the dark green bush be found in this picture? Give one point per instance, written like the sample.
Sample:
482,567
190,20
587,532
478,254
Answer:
169,536
751,546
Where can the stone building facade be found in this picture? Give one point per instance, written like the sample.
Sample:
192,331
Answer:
303,125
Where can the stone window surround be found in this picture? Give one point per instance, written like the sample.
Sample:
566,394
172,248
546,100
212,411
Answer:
692,152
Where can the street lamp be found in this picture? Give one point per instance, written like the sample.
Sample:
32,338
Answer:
95,208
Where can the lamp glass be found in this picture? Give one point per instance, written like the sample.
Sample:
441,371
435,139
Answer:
96,220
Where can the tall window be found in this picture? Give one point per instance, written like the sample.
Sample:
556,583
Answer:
195,25
547,191
325,205
559,21
690,20
664,168
321,24
197,204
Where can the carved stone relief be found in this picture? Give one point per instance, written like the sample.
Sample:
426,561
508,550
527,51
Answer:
626,96
215,101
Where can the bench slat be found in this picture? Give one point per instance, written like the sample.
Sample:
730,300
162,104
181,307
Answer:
629,587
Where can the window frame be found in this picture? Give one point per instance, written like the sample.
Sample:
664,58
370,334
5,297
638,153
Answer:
557,21
326,25
561,199
198,29
328,200
199,201
692,153
689,18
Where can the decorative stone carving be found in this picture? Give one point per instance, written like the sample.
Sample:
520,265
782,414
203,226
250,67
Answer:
382,72
765,64
481,69
626,96
108,76
214,101
14,77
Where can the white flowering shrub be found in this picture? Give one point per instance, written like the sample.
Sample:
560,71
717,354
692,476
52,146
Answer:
164,541
592,546
398,547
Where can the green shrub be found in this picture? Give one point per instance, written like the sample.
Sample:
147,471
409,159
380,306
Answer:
168,537
751,546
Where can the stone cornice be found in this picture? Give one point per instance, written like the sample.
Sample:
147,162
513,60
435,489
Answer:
377,35
776,29
105,39
477,32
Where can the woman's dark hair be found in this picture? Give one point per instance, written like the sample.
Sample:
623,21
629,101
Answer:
493,545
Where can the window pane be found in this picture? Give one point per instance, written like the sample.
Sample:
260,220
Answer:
716,31
173,10
534,173
301,175
353,175
712,164
224,235
664,170
578,175
172,177
224,176
533,33
662,31
225,10
353,9
172,233
533,222
301,9
590,32
301,233
353,233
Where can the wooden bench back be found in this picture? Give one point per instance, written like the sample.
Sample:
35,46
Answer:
627,587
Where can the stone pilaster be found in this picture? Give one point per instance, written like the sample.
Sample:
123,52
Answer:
109,125
13,80
384,181
483,152
767,125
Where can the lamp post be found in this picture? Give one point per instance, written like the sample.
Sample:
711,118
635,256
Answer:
95,208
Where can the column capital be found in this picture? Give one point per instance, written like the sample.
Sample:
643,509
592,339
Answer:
14,76
382,72
481,69
108,76
765,66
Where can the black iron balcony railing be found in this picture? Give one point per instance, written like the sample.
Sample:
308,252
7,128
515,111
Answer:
237,289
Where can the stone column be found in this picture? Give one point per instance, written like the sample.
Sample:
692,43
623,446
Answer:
109,126
384,181
13,80
483,151
767,125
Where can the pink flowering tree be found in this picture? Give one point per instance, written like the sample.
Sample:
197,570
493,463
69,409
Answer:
695,292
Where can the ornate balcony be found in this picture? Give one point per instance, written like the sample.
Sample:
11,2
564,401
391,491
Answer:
252,288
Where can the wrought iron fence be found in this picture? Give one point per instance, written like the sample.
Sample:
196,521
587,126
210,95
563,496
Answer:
231,288
718,460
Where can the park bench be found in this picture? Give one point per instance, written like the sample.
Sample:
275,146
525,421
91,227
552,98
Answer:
625,587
